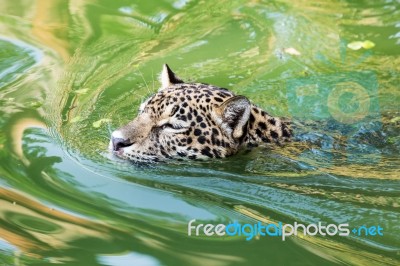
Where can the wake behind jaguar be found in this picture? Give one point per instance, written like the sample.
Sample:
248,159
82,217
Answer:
194,121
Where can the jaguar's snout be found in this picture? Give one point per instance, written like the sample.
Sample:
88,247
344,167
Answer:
119,142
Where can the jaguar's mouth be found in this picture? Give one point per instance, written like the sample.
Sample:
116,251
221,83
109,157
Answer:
118,153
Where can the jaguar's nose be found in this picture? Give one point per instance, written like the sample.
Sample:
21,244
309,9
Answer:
119,142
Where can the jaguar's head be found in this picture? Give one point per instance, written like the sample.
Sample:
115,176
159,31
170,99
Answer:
194,121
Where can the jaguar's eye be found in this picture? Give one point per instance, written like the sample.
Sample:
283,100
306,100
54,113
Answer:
172,126
165,126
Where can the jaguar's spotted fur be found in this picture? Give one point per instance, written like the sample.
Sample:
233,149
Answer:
194,121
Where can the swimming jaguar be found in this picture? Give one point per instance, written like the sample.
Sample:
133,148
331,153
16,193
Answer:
195,121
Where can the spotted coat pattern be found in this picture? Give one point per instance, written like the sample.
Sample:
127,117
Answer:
195,121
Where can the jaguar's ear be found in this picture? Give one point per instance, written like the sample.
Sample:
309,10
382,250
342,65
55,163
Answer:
234,114
168,78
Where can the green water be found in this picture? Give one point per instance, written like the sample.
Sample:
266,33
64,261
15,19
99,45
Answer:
67,64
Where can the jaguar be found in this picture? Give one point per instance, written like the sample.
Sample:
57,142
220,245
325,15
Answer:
195,121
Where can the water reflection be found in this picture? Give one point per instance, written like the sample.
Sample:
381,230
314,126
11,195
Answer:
38,228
